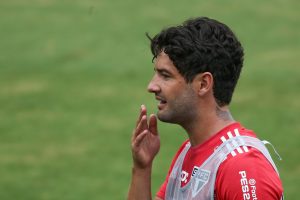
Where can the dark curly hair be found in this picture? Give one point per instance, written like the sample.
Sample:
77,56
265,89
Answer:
203,45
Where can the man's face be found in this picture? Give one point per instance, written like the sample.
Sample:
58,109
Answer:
176,98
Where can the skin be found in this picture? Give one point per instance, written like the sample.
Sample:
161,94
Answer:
190,105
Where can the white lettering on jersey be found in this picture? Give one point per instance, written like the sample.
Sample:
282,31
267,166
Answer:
195,169
184,176
248,187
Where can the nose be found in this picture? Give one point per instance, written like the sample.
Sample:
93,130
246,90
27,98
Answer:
153,86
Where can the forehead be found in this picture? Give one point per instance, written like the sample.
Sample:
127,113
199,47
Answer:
163,61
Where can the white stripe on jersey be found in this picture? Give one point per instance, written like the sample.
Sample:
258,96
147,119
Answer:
238,149
234,142
236,131
228,146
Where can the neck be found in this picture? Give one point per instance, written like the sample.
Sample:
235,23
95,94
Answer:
204,127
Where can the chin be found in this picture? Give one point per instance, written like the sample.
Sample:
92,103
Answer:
164,117
161,116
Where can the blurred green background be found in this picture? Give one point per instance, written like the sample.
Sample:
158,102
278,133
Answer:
73,75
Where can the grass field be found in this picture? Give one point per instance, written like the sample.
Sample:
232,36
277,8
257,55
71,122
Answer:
73,75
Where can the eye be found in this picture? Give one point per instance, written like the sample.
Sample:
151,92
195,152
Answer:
165,75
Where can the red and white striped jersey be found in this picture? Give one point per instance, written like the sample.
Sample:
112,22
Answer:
244,174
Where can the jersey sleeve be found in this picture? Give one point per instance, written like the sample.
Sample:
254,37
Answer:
248,175
162,190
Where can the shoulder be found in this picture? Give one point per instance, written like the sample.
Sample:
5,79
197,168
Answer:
247,175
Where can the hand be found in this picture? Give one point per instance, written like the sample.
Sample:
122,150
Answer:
145,142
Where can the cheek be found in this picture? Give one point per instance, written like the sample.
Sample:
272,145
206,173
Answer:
188,96
174,89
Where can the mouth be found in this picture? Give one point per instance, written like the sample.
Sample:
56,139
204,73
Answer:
161,102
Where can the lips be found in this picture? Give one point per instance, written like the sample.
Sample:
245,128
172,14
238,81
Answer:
161,102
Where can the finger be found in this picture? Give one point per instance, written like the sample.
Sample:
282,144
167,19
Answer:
153,124
143,121
138,140
140,127
143,111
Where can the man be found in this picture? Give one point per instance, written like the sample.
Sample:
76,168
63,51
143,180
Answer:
197,66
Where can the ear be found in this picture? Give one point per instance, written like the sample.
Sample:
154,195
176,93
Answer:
203,83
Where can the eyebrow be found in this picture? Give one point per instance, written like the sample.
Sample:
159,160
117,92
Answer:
162,71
